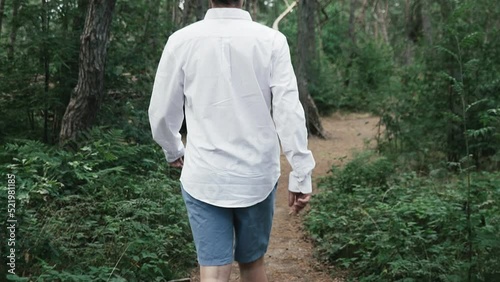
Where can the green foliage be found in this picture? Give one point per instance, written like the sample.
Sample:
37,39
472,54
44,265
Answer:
365,169
40,74
28,100
437,96
352,76
106,210
449,91
406,228
434,73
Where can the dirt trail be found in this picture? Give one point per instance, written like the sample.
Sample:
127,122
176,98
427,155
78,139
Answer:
290,255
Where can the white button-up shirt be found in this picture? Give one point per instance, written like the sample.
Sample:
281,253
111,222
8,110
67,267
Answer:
235,79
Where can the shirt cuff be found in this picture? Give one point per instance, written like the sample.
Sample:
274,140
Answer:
300,183
171,157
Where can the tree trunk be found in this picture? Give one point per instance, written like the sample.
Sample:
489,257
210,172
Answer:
152,16
186,13
307,34
69,72
413,28
352,37
255,9
427,24
46,67
306,60
2,6
13,32
361,19
193,10
200,10
408,55
252,7
89,91
352,20
381,19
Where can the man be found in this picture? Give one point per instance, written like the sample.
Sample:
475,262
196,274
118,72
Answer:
235,79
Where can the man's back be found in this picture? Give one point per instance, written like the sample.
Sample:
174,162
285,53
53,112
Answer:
222,70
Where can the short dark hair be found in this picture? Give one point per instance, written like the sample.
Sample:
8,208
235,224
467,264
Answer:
226,2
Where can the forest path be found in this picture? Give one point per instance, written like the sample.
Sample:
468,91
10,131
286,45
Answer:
290,254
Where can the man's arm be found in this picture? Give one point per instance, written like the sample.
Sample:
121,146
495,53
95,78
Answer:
288,115
166,107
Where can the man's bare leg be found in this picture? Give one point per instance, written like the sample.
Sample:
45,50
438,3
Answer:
253,271
215,273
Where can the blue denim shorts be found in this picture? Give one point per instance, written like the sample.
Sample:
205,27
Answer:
222,235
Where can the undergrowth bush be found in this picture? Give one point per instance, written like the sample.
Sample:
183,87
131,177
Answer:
400,227
105,212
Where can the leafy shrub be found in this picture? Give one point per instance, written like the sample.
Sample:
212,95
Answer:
105,211
366,169
407,228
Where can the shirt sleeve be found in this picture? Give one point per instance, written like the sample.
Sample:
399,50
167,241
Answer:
289,119
166,107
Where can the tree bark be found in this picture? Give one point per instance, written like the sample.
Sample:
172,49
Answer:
306,59
381,19
45,58
307,36
414,23
427,23
200,9
352,21
413,28
193,10
362,15
2,6
177,15
252,7
13,32
152,16
89,91
186,13
352,36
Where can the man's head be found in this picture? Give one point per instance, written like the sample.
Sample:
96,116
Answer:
227,3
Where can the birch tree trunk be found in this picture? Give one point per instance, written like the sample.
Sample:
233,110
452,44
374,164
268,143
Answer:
89,91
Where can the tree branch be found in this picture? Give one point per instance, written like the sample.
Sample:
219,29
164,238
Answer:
282,15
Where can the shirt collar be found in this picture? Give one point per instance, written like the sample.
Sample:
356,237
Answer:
227,13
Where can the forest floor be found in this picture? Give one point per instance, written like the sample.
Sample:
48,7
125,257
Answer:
290,254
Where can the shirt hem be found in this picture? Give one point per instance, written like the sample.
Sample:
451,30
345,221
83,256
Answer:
228,203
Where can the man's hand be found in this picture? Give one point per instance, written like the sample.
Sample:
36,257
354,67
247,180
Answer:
179,163
297,201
